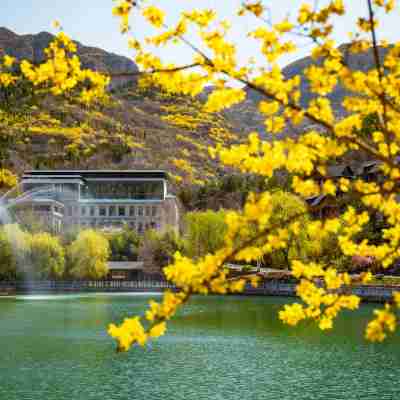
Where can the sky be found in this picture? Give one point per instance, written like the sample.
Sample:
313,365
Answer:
91,22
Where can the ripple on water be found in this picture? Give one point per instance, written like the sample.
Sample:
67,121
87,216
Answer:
217,348
33,297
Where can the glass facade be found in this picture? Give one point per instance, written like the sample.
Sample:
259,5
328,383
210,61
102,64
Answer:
104,199
139,190
58,191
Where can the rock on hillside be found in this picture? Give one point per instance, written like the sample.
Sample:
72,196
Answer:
31,47
246,116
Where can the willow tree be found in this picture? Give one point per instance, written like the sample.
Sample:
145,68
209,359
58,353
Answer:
88,255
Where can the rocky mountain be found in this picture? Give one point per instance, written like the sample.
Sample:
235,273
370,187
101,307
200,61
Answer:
31,47
133,129
247,115
136,128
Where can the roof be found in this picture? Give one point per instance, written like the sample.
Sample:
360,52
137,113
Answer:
337,171
125,265
102,173
315,200
29,175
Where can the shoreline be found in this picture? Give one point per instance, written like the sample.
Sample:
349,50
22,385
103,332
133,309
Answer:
367,293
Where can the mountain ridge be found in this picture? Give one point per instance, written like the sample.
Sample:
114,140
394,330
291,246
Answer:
31,47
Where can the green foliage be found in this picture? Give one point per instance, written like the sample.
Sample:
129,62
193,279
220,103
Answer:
205,232
29,222
8,266
47,256
370,124
124,245
300,246
88,255
229,191
19,97
157,249
39,255
16,246
286,206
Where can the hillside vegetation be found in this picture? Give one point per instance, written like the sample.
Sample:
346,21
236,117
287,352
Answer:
133,129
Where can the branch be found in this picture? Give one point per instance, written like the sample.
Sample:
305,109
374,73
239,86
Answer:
155,71
378,66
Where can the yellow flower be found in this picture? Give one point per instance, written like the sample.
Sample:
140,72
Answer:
384,321
154,15
255,8
223,98
325,323
158,330
8,61
56,24
292,314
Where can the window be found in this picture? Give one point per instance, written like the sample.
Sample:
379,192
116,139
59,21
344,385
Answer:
147,211
112,212
92,211
153,211
127,190
102,211
42,208
83,210
132,211
121,211
140,211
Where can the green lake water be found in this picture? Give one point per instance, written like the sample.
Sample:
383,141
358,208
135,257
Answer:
56,347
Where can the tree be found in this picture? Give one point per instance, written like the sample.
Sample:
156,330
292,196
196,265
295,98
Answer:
124,245
298,244
8,267
47,255
325,136
205,232
14,252
88,255
157,249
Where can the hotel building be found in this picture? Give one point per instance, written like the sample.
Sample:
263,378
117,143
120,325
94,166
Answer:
102,199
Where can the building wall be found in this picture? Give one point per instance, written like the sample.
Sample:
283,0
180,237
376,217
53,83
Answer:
103,202
138,216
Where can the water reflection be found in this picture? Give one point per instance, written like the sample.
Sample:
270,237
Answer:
217,348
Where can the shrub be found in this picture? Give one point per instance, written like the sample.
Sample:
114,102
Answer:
88,255
8,266
157,249
47,256
124,245
14,251
285,206
205,232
